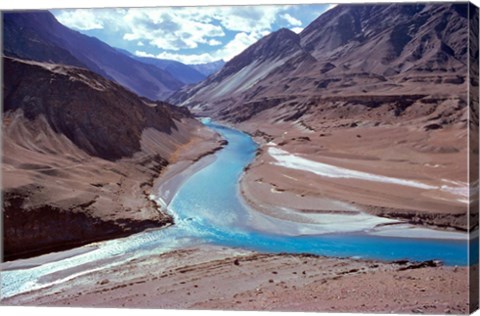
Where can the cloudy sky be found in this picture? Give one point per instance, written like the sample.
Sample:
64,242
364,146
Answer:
190,35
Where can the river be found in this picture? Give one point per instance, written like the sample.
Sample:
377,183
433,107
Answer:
209,209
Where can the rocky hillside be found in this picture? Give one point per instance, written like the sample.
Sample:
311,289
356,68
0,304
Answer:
97,115
80,155
39,36
385,62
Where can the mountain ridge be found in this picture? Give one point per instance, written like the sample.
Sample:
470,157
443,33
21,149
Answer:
93,114
39,31
349,50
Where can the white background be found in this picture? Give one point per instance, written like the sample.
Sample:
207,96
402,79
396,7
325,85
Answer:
48,4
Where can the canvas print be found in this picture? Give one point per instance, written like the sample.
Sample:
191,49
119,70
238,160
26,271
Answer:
303,157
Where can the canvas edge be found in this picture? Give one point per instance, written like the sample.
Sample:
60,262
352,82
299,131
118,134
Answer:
473,152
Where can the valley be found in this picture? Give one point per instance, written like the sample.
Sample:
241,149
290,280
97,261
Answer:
314,169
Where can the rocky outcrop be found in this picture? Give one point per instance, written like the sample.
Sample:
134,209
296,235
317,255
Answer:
42,229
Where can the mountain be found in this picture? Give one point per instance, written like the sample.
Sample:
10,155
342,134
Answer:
183,73
208,68
98,116
39,36
21,38
80,155
373,60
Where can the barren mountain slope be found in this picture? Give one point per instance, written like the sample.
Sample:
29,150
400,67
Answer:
80,156
351,53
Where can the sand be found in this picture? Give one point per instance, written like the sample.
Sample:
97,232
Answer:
213,277
413,176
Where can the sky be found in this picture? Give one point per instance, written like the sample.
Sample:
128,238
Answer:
191,35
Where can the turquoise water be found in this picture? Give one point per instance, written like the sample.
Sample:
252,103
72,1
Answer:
208,209
211,202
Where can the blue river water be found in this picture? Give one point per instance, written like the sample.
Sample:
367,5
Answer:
210,199
208,208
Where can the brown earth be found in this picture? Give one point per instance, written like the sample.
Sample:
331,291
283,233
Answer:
222,278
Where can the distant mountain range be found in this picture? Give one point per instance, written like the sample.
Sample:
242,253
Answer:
208,68
39,36
181,72
352,59
187,74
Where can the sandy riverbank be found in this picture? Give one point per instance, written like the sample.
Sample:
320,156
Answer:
392,172
223,278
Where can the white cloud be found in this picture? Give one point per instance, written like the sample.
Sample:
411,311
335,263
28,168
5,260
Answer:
247,18
214,42
239,43
140,43
297,30
80,19
291,20
186,28
169,29
140,53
